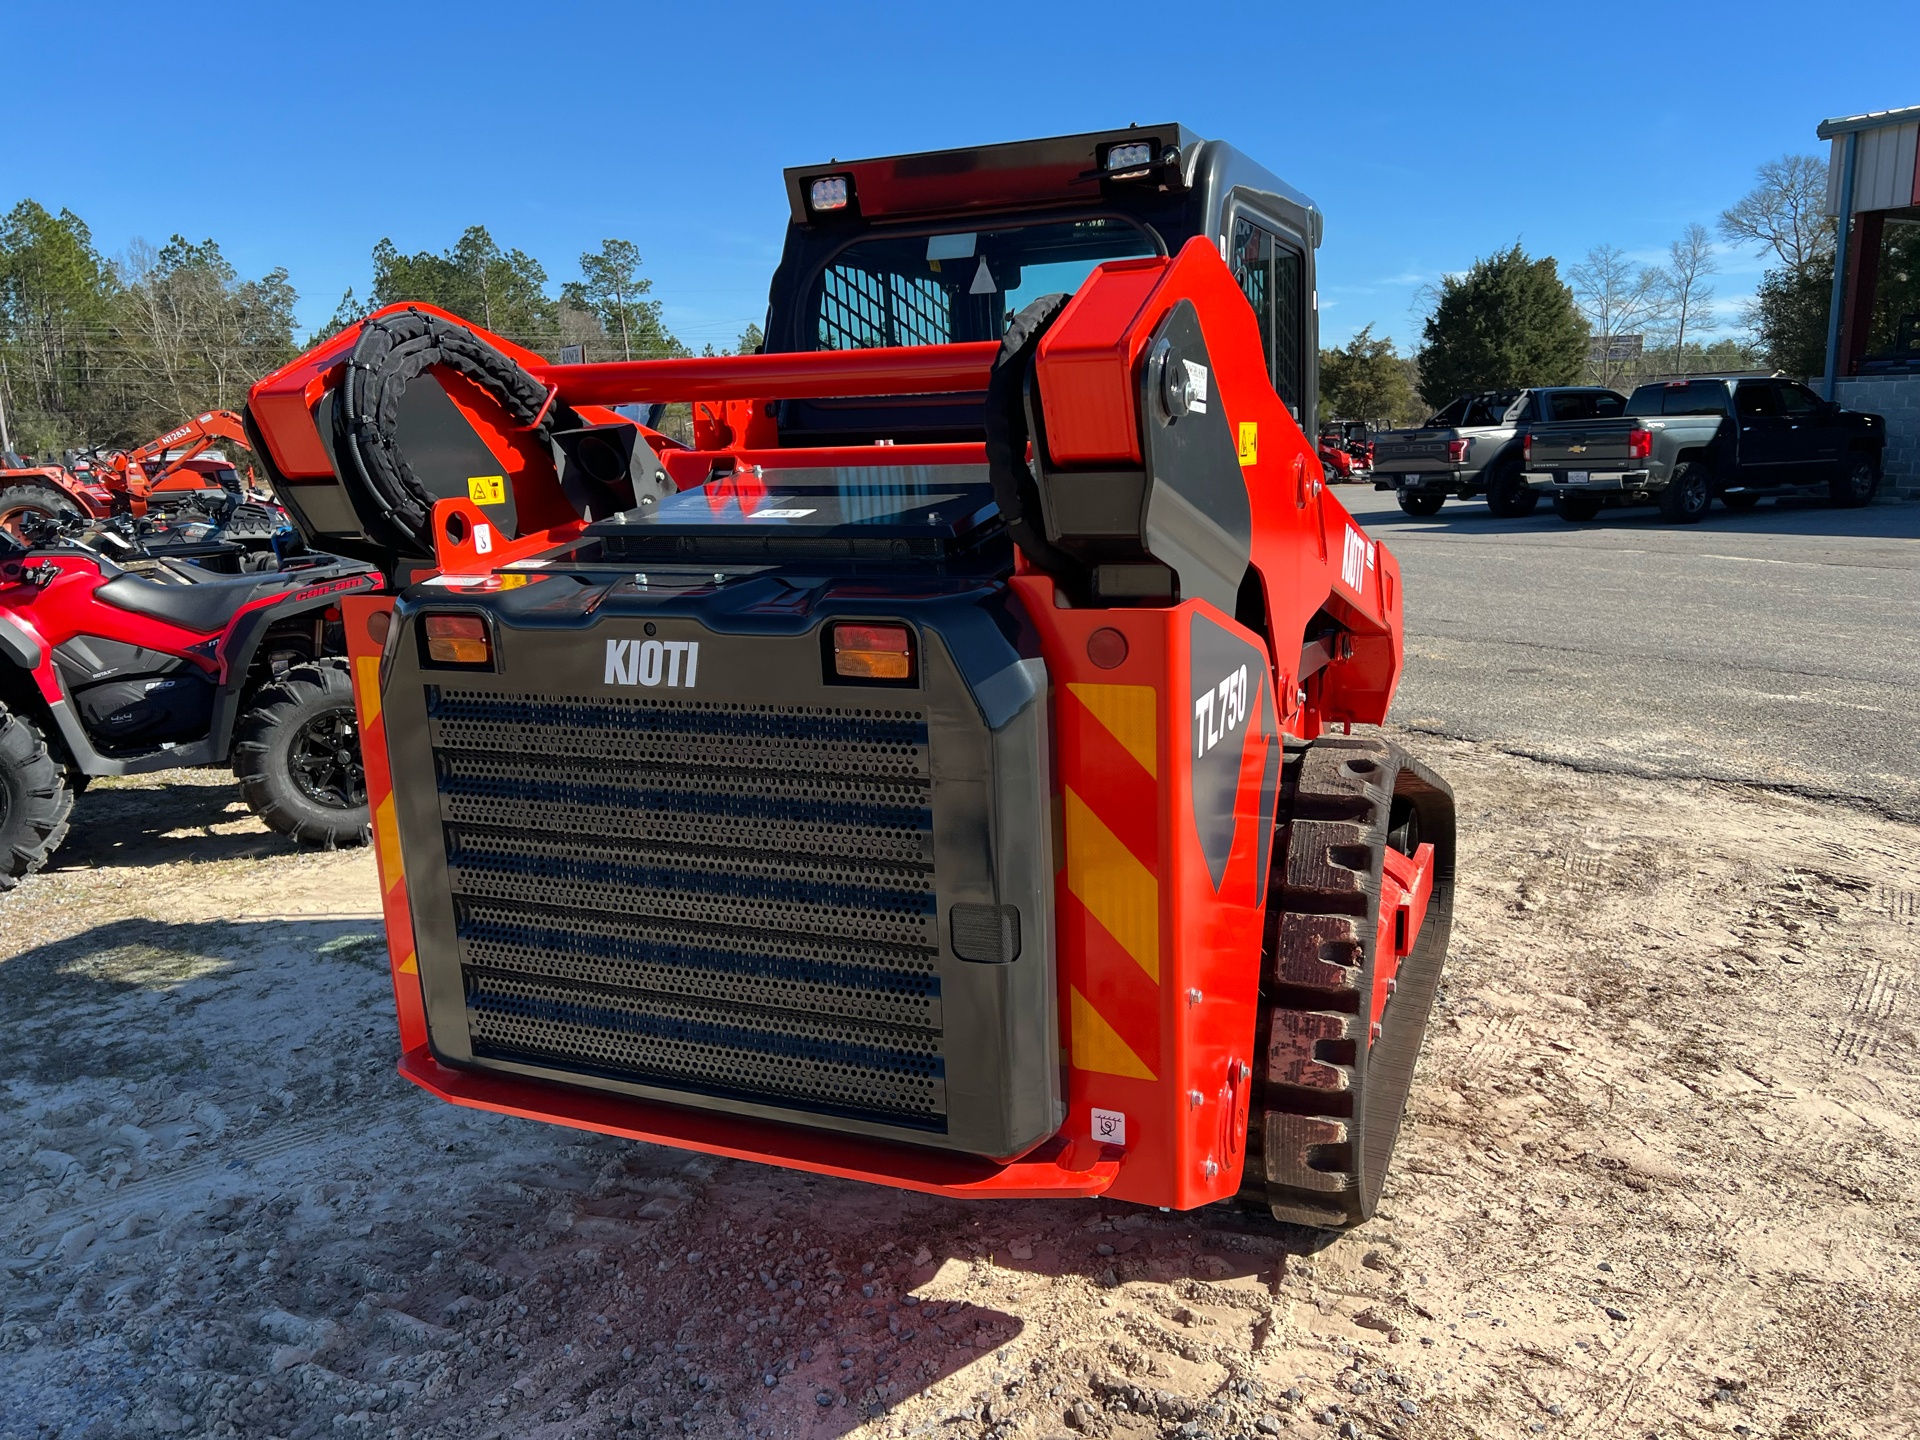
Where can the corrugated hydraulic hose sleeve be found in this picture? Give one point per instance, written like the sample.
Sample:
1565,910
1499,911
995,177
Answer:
391,353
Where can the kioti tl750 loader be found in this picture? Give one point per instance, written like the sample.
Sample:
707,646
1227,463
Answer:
925,777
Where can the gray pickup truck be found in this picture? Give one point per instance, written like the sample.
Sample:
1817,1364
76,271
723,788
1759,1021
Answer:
1473,447
1682,443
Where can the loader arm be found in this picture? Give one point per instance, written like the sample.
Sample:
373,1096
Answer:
138,473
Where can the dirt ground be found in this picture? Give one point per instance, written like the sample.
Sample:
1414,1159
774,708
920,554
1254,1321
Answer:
1659,1178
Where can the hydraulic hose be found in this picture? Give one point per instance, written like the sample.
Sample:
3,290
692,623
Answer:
391,353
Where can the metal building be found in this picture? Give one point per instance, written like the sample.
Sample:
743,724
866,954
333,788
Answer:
1873,326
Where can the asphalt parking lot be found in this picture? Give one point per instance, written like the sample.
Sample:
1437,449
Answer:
1775,648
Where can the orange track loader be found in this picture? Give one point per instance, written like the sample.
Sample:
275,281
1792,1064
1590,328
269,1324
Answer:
929,776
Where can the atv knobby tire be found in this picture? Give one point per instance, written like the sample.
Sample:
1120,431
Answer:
1327,1092
297,757
35,799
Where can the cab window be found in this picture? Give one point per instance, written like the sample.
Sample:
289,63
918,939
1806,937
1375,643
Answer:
1758,401
1587,405
920,289
1489,409
1272,275
1798,400
1682,397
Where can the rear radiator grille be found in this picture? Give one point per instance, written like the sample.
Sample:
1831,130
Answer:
731,900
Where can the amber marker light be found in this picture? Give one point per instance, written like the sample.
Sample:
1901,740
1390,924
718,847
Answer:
872,652
458,640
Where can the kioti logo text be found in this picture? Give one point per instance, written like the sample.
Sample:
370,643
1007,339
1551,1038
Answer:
674,663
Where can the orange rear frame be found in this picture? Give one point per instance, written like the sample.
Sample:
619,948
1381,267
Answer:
1157,948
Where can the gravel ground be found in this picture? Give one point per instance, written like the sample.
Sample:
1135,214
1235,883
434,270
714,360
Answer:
1659,1179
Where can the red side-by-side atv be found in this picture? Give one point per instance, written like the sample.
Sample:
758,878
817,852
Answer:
118,666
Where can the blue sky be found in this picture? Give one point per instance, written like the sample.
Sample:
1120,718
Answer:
1429,133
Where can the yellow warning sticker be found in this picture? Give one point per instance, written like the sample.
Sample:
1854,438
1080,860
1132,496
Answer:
492,489
1249,442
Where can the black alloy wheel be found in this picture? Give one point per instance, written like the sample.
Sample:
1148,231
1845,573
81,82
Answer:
1689,493
296,754
324,758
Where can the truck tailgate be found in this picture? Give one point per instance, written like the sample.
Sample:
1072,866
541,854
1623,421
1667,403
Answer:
1412,450
1582,444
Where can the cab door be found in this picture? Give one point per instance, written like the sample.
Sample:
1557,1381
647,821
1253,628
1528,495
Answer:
1767,449
1814,433
1270,263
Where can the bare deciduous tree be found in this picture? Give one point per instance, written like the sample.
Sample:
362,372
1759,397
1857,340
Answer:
1785,212
1617,300
1688,298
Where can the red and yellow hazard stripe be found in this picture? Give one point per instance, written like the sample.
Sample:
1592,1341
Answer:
363,650
1111,906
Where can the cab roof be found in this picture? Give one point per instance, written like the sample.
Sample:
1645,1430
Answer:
1059,169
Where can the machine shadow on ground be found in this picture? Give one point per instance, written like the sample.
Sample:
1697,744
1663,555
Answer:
568,1277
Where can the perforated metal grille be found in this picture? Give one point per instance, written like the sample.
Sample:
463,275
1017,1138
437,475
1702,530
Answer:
863,309
736,900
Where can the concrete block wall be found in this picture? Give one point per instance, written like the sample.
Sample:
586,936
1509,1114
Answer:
1898,398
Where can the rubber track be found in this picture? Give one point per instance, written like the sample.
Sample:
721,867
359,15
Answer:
1328,1097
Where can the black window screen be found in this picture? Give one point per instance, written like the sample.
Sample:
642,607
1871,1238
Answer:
1288,325
1253,268
866,309
887,289
1273,278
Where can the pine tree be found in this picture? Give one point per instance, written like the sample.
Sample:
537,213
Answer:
1508,322
612,289
1366,380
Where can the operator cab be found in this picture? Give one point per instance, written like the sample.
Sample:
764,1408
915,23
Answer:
950,246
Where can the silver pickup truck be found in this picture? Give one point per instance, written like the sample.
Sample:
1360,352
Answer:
1473,447
1682,443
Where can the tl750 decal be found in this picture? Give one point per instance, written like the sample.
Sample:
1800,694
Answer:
673,663
1218,711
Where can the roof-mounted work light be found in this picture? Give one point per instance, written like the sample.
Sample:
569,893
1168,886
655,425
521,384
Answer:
829,192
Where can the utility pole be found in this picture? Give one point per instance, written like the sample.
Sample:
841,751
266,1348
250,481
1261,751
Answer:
6,440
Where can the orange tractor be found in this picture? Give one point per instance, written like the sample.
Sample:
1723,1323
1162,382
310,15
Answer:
177,466
940,773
